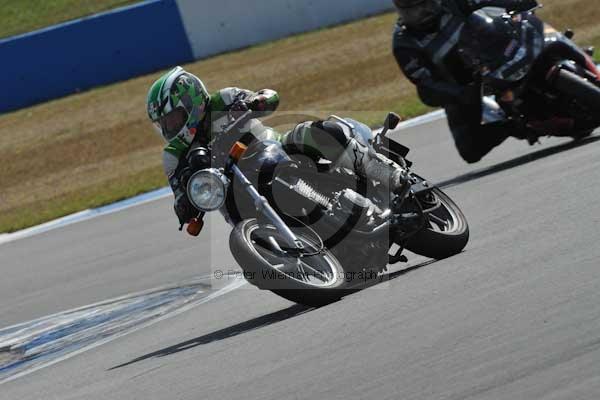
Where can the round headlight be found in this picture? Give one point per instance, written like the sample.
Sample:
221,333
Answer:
207,189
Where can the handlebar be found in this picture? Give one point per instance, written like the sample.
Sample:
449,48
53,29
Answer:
240,121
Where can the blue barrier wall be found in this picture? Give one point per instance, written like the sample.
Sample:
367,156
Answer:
152,35
93,51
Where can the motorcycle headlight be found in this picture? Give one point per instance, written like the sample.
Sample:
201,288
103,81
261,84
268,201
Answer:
207,189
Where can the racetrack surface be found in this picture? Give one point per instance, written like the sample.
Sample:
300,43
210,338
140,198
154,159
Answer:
516,316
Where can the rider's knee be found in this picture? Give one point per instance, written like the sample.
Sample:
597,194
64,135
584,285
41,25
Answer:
328,133
470,156
320,139
330,138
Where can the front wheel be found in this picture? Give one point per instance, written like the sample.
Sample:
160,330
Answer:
314,277
446,231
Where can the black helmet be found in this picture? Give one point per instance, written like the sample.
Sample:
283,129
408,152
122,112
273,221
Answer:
421,15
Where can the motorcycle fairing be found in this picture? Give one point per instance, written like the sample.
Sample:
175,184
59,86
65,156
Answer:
522,51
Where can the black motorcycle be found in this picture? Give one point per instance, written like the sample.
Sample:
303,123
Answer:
532,74
311,231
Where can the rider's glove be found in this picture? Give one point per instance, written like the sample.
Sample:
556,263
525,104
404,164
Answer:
258,103
523,5
264,101
238,108
184,209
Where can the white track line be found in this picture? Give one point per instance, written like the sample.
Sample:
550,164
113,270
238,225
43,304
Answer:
155,195
239,282
422,120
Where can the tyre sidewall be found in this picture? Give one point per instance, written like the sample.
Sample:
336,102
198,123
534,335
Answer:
440,245
260,273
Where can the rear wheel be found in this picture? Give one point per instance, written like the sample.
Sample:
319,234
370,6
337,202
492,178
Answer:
583,135
312,277
446,231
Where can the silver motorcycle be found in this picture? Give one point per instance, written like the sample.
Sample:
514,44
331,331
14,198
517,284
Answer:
313,231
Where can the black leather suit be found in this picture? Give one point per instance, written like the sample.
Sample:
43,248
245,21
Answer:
432,62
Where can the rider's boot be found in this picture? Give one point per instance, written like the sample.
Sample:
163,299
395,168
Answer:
369,164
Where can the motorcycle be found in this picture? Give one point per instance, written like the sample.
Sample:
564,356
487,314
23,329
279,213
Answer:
312,232
532,74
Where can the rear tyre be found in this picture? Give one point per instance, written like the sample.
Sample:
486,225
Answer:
582,135
314,279
446,232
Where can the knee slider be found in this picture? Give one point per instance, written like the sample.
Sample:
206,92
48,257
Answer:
470,155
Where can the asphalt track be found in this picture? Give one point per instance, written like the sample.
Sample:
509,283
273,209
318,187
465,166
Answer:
516,316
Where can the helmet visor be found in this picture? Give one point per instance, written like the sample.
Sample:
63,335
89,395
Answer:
419,15
172,123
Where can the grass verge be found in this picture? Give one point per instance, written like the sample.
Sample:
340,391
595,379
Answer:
20,16
97,147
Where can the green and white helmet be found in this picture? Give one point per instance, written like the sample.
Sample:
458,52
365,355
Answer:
177,104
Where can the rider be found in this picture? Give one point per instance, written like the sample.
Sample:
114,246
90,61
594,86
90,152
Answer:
189,118
424,43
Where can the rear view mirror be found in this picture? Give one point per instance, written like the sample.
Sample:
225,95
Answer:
391,121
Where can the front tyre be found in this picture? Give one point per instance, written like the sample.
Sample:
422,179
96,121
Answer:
313,278
446,231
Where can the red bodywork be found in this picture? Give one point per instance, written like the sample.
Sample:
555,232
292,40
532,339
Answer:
589,63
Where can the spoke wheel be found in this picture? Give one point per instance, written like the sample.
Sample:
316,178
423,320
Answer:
443,215
313,267
446,231
312,276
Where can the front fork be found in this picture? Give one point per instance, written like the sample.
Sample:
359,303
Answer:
264,208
